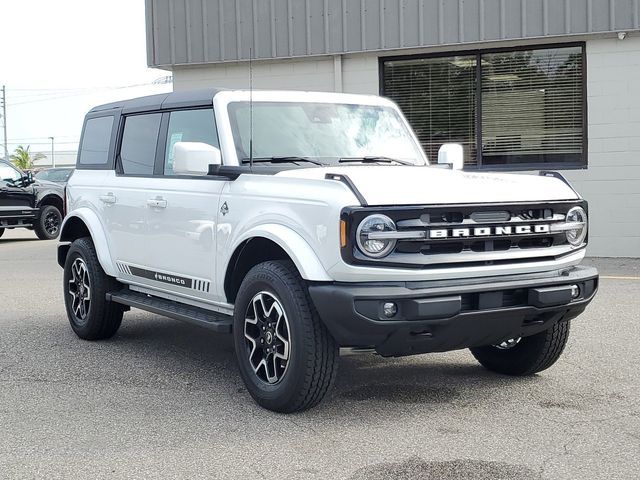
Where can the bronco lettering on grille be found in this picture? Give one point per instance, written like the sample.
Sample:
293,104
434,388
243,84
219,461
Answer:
488,231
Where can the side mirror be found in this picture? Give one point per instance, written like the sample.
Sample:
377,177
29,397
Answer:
27,178
194,158
451,154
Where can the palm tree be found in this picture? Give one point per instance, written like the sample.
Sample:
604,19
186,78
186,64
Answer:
22,157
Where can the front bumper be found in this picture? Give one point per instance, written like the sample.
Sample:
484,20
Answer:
437,316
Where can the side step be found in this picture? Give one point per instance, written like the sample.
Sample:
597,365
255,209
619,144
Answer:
215,321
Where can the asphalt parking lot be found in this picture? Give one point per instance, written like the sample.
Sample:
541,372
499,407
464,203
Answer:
163,399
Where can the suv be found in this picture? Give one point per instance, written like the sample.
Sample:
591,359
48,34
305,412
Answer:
303,222
29,203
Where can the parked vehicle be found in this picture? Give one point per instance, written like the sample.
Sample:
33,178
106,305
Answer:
57,175
29,203
303,222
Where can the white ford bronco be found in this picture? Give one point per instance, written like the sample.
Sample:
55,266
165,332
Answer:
304,222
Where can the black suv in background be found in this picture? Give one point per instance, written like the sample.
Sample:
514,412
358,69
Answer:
28,203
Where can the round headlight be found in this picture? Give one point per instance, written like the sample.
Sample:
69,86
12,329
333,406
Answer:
577,216
375,247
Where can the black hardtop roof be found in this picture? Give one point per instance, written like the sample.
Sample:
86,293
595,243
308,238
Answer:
189,98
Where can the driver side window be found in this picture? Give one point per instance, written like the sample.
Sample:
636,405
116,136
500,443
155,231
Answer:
189,126
9,174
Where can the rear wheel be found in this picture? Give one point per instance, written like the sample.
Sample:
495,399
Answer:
287,358
525,356
85,284
48,224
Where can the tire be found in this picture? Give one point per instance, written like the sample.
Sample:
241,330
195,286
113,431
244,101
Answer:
1,231
94,318
309,371
530,355
48,224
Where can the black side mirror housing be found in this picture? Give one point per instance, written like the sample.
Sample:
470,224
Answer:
27,179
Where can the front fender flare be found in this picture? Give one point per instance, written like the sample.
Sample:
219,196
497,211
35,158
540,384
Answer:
298,249
96,230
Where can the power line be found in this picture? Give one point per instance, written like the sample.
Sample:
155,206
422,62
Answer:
73,93
43,143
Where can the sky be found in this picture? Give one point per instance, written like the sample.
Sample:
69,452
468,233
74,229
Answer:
60,58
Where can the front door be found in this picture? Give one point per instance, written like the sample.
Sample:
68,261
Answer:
183,210
16,199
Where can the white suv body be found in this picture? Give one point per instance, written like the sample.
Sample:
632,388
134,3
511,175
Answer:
176,211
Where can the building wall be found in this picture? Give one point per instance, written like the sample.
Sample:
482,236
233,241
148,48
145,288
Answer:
181,32
611,183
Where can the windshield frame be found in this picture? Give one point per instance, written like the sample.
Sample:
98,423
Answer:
222,100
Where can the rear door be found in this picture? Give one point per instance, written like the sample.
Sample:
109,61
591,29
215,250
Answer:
125,193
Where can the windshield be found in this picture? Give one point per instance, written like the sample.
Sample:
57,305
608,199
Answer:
326,132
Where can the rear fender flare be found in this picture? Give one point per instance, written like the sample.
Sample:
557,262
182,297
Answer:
96,230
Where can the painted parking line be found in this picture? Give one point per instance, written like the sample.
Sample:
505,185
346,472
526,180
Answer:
618,277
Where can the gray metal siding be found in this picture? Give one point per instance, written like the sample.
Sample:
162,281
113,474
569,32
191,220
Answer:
209,31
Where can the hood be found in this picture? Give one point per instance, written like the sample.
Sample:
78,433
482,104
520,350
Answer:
405,185
47,186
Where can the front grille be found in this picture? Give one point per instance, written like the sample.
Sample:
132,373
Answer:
471,234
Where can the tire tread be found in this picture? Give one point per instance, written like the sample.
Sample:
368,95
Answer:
110,314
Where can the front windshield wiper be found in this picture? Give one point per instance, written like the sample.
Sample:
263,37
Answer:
281,160
373,159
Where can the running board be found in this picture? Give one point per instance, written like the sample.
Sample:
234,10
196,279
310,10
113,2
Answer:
215,321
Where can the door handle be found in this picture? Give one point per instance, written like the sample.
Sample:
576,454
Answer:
157,202
109,198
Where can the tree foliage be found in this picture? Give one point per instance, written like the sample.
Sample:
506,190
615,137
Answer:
23,159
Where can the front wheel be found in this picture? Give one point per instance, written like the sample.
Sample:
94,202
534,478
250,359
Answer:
287,358
85,284
48,224
525,356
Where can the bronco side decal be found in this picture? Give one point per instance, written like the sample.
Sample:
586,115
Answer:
172,279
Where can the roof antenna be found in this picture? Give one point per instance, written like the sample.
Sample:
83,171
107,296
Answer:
251,108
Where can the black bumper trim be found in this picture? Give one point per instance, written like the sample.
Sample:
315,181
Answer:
451,315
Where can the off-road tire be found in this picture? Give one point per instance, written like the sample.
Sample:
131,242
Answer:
531,355
103,317
313,360
43,229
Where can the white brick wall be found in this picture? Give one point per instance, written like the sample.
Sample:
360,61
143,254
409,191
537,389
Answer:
359,75
314,74
611,184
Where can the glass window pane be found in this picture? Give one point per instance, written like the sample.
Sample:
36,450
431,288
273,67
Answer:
532,106
9,174
324,131
139,140
95,141
437,95
189,126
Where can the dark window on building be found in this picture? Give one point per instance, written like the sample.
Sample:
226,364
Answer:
95,141
521,108
139,141
189,126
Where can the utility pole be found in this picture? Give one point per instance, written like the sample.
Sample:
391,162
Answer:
53,159
4,121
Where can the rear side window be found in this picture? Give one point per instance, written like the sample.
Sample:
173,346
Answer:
95,141
189,126
139,141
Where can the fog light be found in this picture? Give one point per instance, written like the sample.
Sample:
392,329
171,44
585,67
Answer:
389,309
575,291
